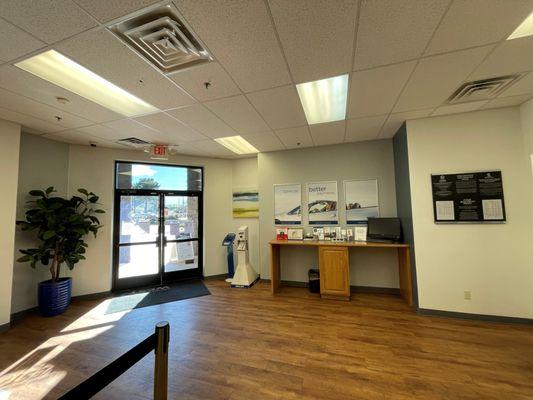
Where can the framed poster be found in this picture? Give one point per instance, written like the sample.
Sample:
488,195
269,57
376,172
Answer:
288,204
361,200
468,197
246,203
322,201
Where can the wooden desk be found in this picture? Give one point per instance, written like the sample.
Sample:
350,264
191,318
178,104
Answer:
335,267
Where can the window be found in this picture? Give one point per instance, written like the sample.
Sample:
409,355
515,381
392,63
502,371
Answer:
158,177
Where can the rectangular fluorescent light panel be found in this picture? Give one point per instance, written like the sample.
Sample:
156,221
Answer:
237,144
324,100
66,73
524,29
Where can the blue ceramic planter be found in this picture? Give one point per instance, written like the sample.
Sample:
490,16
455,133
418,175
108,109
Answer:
54,297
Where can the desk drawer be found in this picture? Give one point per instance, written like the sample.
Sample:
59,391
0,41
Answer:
334,272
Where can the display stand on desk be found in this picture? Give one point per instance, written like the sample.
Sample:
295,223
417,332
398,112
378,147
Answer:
335,266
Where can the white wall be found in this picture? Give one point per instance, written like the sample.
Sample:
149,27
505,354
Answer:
526,114
493,261
9,166
42,163
244,174
93,169
364,160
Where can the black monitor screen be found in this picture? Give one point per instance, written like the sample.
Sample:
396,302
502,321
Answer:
385,228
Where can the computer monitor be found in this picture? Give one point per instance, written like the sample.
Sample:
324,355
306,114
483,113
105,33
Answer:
384,229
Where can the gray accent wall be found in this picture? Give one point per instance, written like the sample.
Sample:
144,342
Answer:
403,197
42,163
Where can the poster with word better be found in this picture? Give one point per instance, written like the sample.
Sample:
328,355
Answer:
322,203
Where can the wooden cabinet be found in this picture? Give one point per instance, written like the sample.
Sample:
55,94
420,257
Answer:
334,272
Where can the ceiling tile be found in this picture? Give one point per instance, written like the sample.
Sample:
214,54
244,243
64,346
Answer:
128,127
106,10
317,36
49,20
238,113
29,121
175,130
328,133
190,150
295,138
204,121
521,87
266,142
74,136
103,132
394,31
105,55
211,148
436,78
361,129
459,108
509,57
22,82
193,80
16,102
394,121
470,23
15,42
241,36
507,101
374,91
280,107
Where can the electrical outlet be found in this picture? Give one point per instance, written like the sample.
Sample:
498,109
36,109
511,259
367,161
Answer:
468,295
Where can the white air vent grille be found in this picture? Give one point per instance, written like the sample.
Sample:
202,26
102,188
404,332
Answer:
161,36
483,89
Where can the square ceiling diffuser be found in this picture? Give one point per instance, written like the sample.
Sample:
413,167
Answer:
161,36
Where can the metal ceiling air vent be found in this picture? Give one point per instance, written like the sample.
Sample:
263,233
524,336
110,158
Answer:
482,89
134,142
162,37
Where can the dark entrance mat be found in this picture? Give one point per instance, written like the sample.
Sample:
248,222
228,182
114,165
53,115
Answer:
146,298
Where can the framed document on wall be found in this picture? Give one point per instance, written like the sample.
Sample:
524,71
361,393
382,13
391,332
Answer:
322,203
473,197
361,200
288,204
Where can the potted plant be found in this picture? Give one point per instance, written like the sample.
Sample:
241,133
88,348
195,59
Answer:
60,226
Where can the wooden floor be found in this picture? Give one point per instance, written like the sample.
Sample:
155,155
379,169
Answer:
246,344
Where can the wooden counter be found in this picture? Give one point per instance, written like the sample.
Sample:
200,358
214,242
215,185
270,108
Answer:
334,266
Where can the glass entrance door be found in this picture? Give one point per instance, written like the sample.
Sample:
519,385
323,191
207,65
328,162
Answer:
158,233
181,233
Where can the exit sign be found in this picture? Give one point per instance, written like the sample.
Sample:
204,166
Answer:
159,153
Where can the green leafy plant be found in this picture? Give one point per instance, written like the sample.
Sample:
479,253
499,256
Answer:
61,226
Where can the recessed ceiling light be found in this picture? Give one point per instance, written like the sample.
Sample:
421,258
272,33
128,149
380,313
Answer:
324,100
54,67
237,144
524,29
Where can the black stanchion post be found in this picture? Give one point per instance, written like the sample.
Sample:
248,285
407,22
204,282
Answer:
162,331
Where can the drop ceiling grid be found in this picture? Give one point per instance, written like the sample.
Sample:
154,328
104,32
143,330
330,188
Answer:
272,125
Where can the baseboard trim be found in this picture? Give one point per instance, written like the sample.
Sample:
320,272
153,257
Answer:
5,327
24,313
353,289
93,296
375,289
474,317
219,276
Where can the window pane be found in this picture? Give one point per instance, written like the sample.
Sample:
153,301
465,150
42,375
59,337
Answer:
181,217
139,218
180,256
138,260
158,177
